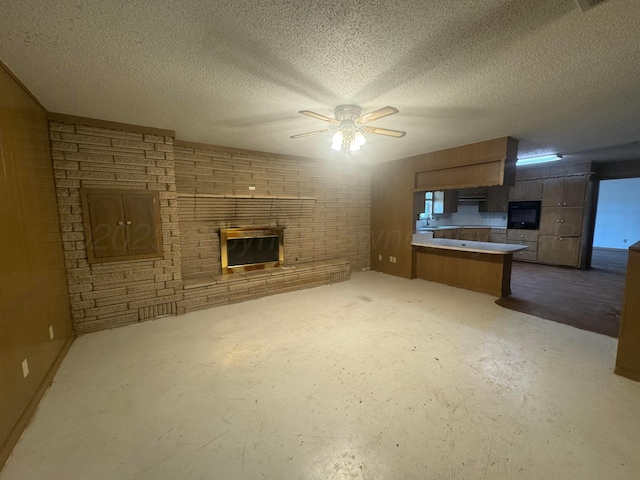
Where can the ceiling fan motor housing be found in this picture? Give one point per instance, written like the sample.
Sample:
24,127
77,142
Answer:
347,112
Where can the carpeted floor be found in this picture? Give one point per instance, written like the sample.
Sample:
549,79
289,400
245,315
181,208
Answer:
586,299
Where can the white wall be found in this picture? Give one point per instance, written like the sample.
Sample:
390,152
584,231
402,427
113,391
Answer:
618,214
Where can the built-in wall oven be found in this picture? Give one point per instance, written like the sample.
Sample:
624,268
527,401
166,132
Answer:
524,215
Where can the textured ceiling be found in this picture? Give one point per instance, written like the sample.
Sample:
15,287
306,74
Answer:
236,72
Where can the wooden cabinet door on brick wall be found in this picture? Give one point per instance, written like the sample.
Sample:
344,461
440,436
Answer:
139,212
106,227
121,225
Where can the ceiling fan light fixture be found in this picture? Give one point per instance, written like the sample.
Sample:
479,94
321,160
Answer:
359,139
336,140
349,125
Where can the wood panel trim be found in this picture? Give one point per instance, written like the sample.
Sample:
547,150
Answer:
22,85
496,150
97,123
25,418
240,151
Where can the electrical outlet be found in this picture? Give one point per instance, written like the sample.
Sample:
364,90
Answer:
379,257
25,368
252,187
390,259
51,332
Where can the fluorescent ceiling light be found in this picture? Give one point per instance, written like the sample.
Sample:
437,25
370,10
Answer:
539,159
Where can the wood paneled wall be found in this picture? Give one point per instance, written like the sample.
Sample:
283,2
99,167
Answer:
392,218
33,286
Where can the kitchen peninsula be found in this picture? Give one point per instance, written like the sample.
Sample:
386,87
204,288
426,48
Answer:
480,266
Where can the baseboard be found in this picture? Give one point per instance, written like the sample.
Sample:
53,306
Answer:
25,418
607,249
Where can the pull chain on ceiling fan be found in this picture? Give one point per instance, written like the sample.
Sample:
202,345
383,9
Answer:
348,126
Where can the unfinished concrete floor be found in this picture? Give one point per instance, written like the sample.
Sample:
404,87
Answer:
374,378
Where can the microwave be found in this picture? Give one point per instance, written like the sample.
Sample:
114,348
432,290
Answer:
524,215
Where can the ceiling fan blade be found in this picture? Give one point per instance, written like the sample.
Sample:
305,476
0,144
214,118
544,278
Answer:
318,116
385,131
300,135
376,114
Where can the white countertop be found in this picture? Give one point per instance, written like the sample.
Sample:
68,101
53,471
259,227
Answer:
434,228
470,246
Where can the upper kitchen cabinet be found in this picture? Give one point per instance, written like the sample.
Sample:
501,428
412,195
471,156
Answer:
564,191
526,190
497,200
487,163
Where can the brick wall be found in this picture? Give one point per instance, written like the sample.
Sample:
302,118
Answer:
337,225
116,293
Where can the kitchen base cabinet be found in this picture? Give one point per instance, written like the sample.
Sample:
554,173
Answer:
483,272
475,234
529,238
556,250
498,235
450,233
526,256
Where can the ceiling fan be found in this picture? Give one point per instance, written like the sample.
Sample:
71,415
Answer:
349,126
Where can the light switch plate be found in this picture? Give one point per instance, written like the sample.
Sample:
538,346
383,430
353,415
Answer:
25,368
51,332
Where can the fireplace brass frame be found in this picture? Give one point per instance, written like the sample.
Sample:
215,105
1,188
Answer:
250,232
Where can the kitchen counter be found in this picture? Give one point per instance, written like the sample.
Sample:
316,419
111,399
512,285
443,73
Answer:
480,266
470,246
435,228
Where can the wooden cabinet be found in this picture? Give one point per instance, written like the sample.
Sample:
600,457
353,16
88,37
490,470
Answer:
561,221
564,191
475,234
558,250
450,204
472,192
497,200
451,233
498,235
628,360
528,238
526,190
122,225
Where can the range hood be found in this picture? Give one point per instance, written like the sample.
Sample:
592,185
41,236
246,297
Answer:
472,198
478,194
